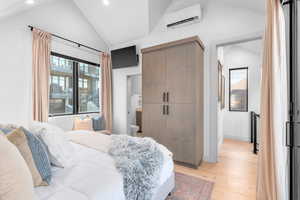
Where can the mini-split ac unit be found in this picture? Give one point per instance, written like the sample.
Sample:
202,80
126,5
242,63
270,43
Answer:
184,17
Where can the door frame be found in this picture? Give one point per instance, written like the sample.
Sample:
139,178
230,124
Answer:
128,102
293,90
213,97
128,128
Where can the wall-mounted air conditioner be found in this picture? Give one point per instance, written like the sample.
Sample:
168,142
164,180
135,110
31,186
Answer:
183,17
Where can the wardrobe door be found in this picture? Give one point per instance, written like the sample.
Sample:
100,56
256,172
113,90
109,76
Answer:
180,134
180,62
199,105
154,77
154,120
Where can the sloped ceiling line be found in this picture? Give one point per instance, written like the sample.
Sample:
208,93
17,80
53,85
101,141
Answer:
157,9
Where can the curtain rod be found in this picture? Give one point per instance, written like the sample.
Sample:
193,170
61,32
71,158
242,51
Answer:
71,41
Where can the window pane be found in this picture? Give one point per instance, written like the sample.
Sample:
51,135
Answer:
88,85
61,86
238,90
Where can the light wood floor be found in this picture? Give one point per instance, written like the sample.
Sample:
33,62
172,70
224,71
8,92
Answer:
234,175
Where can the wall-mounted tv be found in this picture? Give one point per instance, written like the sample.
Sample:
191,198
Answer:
125,57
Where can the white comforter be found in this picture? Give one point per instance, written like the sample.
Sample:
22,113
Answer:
92,177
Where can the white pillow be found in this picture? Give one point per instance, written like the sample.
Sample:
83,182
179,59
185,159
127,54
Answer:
15,178
60,149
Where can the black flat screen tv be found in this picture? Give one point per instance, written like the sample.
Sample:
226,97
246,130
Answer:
125,57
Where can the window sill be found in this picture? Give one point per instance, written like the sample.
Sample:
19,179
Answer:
73,115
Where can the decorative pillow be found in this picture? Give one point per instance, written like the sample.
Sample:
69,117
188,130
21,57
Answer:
60,149
15,178
40,156
83,124
98,123
18,138
7,128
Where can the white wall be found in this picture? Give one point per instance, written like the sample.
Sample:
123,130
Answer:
220,111
220,22
61,17
236,125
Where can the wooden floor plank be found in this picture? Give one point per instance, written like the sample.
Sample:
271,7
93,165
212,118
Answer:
234,175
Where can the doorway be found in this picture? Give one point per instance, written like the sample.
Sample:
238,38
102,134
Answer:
239,74
239,88
134,104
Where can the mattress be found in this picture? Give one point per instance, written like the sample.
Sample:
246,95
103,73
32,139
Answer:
92,177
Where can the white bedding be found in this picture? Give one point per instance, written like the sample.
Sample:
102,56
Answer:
93,177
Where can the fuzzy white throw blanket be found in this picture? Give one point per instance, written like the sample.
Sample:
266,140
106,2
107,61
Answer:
139,160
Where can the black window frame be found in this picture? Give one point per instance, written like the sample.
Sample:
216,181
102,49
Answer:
76,61
247,106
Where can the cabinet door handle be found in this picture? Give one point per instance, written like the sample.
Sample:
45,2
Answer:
164,110
167,96
167,111
164,97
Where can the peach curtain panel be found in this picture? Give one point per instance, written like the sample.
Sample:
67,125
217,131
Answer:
41,49
272,158
107,90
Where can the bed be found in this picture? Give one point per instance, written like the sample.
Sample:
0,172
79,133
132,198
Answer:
95,177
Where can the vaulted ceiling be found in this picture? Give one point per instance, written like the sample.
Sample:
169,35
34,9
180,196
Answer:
11,7
5,4
254,5
121,21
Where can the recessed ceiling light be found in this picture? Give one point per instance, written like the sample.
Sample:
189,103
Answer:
106,2
29,2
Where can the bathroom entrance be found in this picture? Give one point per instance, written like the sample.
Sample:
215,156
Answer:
134,105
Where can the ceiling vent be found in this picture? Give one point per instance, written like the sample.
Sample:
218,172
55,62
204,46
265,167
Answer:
184,17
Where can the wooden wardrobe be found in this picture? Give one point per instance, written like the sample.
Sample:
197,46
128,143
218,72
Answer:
173,87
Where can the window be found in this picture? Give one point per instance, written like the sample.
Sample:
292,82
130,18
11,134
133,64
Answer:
89,90
238,89
74,86
61,87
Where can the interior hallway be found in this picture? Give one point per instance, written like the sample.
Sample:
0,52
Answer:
235,173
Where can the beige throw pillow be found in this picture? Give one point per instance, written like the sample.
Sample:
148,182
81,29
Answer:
83,124
15,178
18,138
